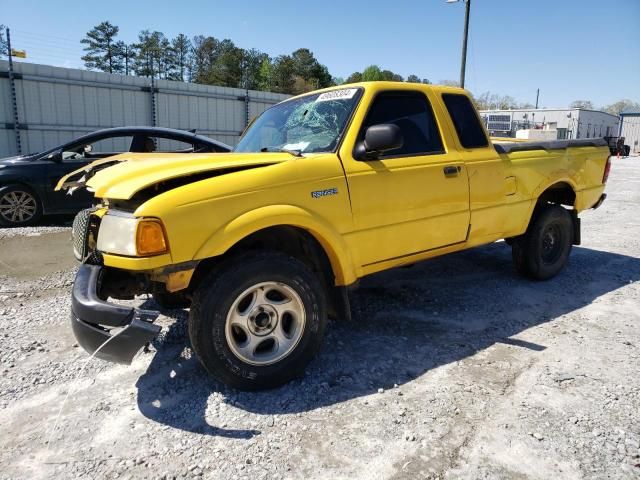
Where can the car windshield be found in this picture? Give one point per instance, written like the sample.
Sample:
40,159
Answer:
309,124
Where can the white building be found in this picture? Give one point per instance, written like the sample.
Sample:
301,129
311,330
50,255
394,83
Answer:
559,123
630,130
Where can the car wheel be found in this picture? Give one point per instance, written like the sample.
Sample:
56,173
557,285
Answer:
258,320
544,249
19,206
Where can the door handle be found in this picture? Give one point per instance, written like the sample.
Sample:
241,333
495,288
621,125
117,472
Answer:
451,170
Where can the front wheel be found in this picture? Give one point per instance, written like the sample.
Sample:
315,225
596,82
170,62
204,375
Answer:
258,320
544,248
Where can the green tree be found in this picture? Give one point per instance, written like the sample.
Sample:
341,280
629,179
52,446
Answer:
204,56
101,49
227,67
153,57
621,106
372,74
282,78
389,76
449,83
180,52
355,77
304,63
323,77
124,56
265,75
416,79
252,61
308,72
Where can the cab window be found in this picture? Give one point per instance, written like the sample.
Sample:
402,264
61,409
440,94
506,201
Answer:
412,113
465,120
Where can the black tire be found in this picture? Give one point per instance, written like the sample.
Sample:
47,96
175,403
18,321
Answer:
218,297
32,206
172,301
544,249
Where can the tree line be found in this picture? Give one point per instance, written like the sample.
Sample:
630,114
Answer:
211,61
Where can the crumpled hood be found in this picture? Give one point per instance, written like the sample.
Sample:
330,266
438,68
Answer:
121,176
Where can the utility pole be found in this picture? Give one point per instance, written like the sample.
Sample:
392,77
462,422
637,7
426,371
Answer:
14,100
537,97
465,38
153,94
463,64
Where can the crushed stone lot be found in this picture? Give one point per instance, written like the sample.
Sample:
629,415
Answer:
454,368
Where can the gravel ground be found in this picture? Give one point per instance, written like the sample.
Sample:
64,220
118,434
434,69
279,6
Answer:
455,368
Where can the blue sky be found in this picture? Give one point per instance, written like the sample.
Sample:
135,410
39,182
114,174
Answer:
570,49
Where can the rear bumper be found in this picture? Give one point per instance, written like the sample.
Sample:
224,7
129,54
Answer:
111,332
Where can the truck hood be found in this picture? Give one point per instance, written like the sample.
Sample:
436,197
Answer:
121,176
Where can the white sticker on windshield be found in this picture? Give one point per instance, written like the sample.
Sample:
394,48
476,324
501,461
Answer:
300,146
343,94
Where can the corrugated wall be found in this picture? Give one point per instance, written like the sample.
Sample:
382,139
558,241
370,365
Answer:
57,104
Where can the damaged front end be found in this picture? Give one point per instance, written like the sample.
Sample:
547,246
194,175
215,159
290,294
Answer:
109,331
112,331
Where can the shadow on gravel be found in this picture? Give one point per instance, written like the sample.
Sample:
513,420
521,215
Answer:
408,322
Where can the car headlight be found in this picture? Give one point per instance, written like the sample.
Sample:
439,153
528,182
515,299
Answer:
131,236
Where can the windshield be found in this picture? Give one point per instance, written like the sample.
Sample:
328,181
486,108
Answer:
309,124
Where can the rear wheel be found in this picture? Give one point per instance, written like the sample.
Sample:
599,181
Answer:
544,249
19,206
258,320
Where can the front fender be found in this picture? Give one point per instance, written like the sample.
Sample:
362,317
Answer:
279,215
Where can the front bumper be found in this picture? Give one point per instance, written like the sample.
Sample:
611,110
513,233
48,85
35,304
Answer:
109,331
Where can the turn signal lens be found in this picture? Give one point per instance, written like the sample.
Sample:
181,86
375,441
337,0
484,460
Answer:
150,239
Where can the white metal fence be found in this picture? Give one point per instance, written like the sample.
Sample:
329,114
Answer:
57,104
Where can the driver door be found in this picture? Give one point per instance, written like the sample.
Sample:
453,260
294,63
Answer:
412,199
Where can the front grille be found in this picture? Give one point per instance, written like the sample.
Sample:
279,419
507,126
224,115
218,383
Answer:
85,237
81,234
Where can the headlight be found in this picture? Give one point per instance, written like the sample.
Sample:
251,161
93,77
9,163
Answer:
131,236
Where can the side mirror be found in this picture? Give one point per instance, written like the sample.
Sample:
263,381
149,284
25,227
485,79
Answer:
377,139
55,156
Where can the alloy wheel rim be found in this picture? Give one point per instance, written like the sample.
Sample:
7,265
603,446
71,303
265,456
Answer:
265,323
18,206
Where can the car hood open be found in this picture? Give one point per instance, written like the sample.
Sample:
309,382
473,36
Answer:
121,176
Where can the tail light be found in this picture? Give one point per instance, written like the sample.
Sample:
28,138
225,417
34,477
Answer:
607,169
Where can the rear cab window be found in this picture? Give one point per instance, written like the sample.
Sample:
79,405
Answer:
465,120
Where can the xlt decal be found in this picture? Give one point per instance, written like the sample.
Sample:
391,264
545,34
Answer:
324,193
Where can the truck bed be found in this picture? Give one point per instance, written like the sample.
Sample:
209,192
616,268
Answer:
508,147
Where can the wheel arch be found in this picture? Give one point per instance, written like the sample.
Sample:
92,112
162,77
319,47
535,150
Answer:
284,222
561,192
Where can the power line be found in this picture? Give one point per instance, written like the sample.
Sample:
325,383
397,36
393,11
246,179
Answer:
46,36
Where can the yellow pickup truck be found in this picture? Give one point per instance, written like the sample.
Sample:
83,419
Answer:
321,190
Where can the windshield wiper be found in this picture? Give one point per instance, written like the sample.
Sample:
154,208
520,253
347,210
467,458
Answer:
295,153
